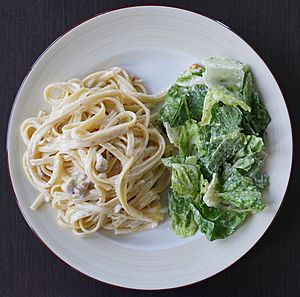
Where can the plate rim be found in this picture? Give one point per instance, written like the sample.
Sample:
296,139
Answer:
82,22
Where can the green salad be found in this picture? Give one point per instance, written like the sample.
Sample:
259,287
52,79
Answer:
215,119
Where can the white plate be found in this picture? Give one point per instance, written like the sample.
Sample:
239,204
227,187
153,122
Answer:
154,43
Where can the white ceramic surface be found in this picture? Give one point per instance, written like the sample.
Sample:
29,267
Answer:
154,43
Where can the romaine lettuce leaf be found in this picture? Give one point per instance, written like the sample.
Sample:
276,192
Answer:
247,155
186,175
258,119
220,94
179,159
244,163
260,180
246,201
195,98
182,213
236,193
189,214
226,119
251,158
222,149
186,179
233,180
182,103
172,133
211,197
254,145
193,139
218,223
175,109
196,140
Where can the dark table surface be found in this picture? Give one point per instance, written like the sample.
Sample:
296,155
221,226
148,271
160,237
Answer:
28,268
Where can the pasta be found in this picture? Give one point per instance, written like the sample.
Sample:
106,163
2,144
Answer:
96,156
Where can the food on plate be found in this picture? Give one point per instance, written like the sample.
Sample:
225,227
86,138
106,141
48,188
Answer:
215,119
96,156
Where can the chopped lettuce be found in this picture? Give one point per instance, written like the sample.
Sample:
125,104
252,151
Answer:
258,119
185,179
211,198
175,109
217,223
182,213
249,201
186,175
189,215
224,151
184,99
260,180
220,94
215,118
247,155
179,159
172,133
250,159
193,139
225,120
182,104
253,146
195,99
244,163
238,193
232,179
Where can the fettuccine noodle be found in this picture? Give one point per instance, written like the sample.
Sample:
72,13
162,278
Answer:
96,155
